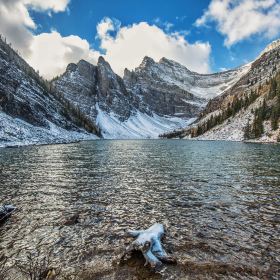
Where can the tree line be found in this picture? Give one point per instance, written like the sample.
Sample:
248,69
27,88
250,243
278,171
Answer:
255,129
70,111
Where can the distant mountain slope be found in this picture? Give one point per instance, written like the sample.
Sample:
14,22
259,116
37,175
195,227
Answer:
91,101
247,110
29,113
118,110
172,74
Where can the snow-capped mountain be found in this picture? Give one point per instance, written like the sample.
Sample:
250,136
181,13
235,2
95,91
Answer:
29,113
121,111
168,73
91,101
252,103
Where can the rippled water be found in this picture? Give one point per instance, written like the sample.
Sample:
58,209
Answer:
219,202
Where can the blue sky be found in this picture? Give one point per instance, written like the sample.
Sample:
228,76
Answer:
230,40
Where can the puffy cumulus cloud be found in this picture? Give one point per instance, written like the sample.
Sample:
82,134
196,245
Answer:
51,53
16,23
106,26
53,5
129,44
122,46
240,19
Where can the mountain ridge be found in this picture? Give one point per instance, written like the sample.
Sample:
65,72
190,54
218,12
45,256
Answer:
90,101
235,114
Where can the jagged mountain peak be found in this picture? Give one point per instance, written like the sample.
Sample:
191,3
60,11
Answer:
273,45
146,62
105,66
170,62
168,71
83,62
101,60
126,71
71,67
83,67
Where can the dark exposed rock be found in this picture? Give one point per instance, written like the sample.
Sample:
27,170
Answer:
253,83
70,221
24,95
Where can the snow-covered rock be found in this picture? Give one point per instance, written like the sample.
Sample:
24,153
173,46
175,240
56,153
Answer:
117,110
169,72
16,132
273,45
256,80
29,112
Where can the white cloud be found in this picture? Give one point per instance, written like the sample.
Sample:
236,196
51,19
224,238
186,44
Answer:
16,23
51,53
43,5
240,19
131,43
123,47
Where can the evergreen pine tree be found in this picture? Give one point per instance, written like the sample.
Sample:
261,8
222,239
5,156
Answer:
247,131
274,118
257,128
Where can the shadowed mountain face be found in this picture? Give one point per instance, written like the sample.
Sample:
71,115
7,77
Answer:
249,109
89,100
98,86
170,74
92,87
24,95
153,99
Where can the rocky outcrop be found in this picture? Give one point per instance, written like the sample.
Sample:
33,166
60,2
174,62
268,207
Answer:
29,112
228,116
90,101
159,95
92,88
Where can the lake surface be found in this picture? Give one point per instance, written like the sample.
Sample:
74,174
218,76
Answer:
219,202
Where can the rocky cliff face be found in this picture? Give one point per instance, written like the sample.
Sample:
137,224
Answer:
90,101
122,108
29,113
199,87
91,87
234,113
159,94
151,100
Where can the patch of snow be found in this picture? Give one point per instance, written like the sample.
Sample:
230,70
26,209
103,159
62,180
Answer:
138,126
16,132
201,85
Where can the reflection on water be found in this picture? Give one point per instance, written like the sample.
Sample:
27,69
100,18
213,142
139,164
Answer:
219,202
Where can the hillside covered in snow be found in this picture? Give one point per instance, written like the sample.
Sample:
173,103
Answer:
29,112
91,101
249,110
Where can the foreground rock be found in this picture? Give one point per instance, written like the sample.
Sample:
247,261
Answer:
6,211
149,243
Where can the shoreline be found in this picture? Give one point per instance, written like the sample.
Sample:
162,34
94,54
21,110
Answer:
22,145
